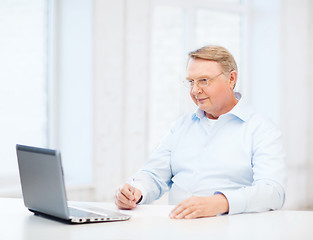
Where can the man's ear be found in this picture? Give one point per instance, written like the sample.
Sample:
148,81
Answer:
233,79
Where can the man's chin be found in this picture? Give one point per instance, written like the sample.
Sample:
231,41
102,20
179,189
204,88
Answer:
202,107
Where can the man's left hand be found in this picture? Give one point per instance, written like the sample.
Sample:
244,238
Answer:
196,207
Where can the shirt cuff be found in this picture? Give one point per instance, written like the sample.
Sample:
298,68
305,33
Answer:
144,199
236,201
140,199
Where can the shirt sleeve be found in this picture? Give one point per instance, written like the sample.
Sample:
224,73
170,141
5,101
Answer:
154,178
269,175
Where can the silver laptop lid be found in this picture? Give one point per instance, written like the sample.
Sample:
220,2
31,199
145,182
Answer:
42,180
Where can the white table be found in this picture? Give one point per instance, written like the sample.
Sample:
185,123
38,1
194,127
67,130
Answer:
152,222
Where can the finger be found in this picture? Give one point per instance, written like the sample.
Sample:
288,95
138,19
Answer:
193,214
122,205
125,188
121,197
137,195
180,207
186,204
184,213
177,210
126,191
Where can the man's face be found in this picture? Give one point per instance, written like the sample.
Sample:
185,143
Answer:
217,97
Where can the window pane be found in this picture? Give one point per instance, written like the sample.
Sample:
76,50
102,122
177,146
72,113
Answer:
23,97
166,69
234,1
220,28
168,99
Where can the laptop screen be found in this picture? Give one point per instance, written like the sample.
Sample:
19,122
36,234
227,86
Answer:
42,180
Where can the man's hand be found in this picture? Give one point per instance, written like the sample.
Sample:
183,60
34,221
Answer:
125,199
196,207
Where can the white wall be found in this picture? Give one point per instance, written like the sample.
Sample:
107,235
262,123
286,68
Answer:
120,96
295,105
70,87
279,86
100,89
126,86
264,58
279,74
310,115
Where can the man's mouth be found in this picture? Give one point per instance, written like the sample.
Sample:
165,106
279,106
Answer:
202,99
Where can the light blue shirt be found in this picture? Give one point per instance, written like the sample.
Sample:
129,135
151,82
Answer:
240,155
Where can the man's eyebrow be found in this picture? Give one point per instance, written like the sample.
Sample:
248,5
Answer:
200,77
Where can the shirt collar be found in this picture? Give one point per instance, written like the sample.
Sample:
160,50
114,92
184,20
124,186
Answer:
240,110
198,114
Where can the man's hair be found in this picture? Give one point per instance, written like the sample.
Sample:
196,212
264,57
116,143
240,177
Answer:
218,54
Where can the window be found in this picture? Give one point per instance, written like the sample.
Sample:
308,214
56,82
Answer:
167,61
23,93
70,87
177,28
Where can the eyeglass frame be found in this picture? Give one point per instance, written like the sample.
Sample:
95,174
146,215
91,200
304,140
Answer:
186,81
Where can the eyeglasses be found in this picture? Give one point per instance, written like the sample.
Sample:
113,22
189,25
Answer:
201,82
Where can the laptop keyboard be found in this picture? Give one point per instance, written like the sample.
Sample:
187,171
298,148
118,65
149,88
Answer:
74,212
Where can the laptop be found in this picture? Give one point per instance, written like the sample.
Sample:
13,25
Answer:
43,188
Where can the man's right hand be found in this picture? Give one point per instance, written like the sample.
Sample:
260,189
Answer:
124,199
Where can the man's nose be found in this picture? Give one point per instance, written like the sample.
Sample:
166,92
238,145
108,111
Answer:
195,89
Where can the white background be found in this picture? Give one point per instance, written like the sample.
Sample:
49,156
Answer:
110,98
